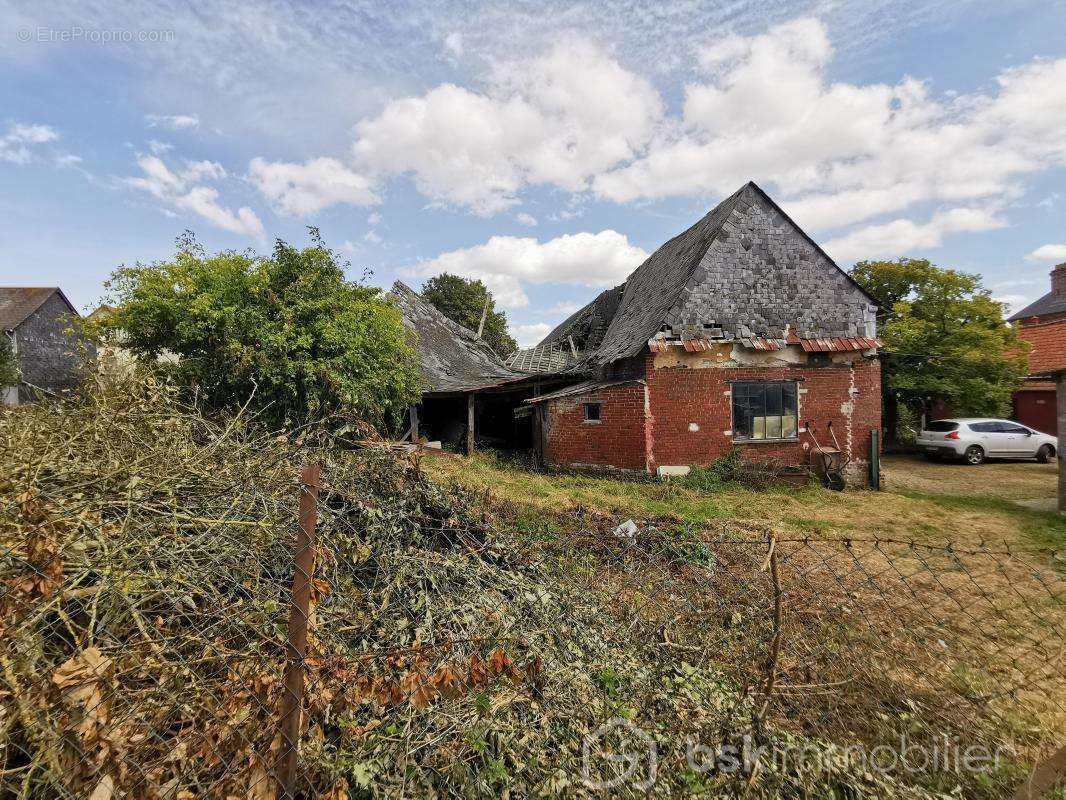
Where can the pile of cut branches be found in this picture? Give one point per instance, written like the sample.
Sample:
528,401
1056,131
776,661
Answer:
146,560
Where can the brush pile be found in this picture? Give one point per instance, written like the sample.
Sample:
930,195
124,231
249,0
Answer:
145,572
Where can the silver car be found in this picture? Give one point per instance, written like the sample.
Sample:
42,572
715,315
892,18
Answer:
974,440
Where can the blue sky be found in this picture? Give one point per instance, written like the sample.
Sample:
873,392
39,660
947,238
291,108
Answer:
543,147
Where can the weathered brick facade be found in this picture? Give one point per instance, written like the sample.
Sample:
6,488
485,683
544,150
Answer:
1043,325
617,441
681,414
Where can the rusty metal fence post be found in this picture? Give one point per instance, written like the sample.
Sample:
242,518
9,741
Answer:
293,692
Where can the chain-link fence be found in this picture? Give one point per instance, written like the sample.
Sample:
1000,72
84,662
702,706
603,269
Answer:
151,636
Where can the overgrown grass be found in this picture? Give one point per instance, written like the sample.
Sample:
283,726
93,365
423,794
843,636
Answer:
965,511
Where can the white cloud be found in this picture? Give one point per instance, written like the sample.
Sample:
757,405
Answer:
559,119
174,122
372,237
303,189
1013,302
526,219
184,190
17,145
840,153
1048,253
158,148
505,263
529,335
564,308
902,236
374,218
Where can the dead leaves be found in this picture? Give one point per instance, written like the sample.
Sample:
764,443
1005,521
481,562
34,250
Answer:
43,570
84,682
449,681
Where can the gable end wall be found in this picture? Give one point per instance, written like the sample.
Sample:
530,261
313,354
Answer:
762,274
48,356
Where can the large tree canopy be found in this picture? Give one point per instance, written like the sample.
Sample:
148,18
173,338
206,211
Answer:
945,338
462,300
287,331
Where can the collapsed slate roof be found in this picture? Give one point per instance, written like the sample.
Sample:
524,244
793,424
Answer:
18,303
588,324
744,271
453,358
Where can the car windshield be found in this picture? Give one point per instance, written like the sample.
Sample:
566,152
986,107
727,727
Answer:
941,426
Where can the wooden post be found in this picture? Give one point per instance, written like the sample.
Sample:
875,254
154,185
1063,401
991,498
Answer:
470,424
875,458
293,692
414,424
1060,408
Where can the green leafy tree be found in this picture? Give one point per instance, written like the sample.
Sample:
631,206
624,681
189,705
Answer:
462,300
945,340
9,370
286,333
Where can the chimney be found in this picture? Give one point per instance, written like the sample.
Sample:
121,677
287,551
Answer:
1058,279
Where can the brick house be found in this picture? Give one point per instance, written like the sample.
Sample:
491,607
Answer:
1042,323
49,354
735,333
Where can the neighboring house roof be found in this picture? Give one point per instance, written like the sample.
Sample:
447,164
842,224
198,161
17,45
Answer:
1051,303
1047,342
103,311
453,358
676,279
18,303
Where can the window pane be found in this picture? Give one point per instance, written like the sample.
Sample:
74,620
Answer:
943,426
788,426
758,428
773,427
773,400
789,397
765,410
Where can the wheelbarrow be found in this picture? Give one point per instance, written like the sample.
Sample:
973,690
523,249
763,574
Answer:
829,463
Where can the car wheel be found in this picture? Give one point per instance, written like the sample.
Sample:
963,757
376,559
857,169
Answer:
974,455
1045,453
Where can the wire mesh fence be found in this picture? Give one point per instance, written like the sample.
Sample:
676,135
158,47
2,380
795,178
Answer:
146,603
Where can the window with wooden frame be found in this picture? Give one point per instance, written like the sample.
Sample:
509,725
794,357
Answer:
592,412
765,410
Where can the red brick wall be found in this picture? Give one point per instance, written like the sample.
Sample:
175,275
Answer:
680,396
632,437
1048,340
617,441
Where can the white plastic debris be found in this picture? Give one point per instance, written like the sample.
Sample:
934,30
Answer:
627,530
673,472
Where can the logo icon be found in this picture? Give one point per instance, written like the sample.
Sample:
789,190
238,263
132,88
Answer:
619,753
